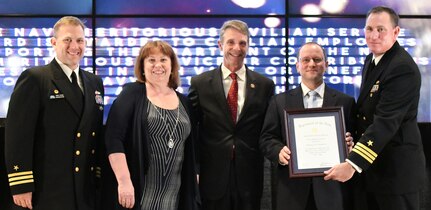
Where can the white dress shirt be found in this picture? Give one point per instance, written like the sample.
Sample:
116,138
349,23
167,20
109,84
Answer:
68,72
319,90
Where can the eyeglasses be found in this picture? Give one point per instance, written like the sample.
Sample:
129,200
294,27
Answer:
308,60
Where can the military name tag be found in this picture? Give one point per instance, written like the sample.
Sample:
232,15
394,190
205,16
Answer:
56,96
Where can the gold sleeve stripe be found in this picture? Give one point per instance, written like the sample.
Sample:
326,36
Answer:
365,152
20,174
362,155
367,149
20,178
21,182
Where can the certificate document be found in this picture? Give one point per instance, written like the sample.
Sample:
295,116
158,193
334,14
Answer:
316,139
316,142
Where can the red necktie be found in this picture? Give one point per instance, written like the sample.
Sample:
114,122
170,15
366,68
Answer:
232,97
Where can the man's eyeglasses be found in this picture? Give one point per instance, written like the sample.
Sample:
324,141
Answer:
308,60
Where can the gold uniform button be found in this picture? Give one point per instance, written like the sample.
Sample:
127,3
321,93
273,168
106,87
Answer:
78,135
76,169
364,118
93,134
92,169
93,151
77,152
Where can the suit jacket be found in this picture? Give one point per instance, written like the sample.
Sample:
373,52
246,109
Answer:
292,193
218,134
127,132
390,148
51,148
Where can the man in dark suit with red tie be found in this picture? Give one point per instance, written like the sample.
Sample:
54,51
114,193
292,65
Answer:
231,109
53,129
389,154
305,193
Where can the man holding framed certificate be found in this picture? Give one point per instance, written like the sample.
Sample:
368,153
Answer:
389,152
305,191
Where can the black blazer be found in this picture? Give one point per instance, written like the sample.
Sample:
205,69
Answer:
293,193
218,133
390,148
47,138
126,132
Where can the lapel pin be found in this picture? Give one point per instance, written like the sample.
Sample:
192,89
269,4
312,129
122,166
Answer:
99,99
252,85
375,88
56,91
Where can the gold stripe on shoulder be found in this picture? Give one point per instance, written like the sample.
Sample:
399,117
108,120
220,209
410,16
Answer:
20,174
21,182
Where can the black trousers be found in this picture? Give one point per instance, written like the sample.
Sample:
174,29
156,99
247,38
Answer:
409,201
232,200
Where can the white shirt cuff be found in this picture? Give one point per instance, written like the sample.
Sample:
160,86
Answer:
357,168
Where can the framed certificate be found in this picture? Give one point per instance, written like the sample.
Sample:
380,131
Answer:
316,139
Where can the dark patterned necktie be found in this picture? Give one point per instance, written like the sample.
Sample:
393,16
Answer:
232,97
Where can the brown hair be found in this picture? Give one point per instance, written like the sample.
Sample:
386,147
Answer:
166,49
67,20
392,14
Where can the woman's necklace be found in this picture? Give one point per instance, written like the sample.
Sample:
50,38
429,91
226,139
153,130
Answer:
171,142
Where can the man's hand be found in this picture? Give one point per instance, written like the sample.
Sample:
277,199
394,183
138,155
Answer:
284,156
341,172
349,141
23,200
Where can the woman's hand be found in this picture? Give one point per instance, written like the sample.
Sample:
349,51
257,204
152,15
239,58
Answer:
126,194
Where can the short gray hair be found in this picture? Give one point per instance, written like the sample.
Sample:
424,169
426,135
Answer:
239,25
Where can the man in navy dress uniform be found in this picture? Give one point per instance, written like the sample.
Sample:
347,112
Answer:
53,128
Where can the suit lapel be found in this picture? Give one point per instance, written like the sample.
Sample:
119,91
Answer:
89,92
298,100
329,98
250,92
375,76
372,78
365,70
64,85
